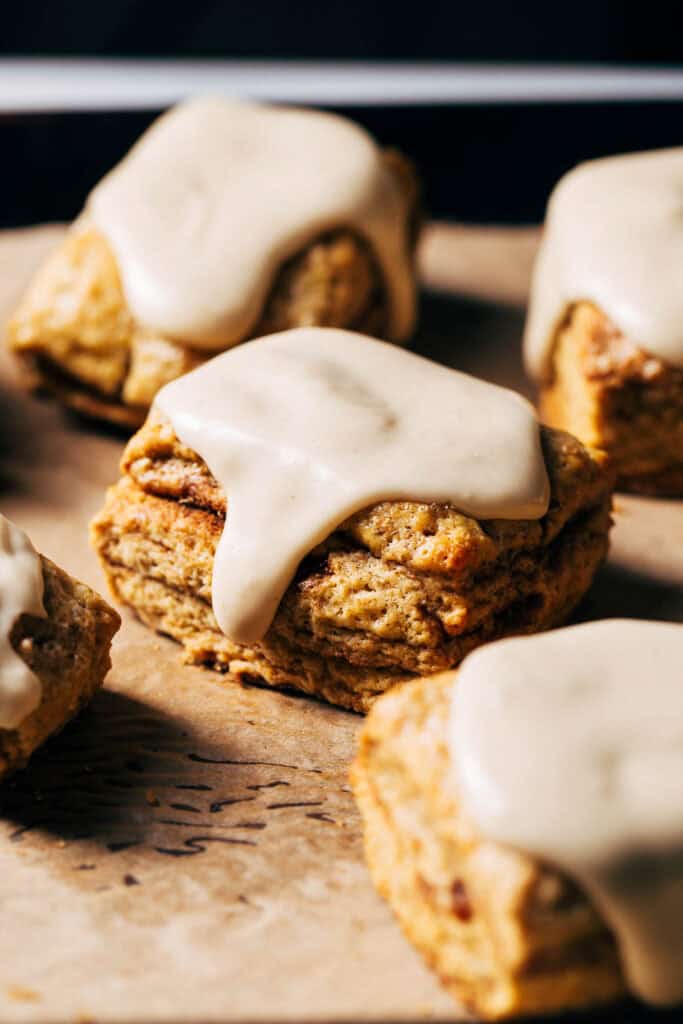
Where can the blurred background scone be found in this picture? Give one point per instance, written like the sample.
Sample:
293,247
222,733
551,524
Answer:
396,589
226,221
604,335
54,653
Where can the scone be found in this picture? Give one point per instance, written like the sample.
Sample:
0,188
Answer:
54,648
604,337
226,221
377,590
509,929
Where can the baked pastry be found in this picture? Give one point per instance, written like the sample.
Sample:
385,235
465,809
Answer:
226,221
303,437
478,792
55,636
604,337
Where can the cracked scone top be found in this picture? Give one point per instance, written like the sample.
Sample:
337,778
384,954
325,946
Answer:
613,236
21,593
569,747
304,428
217,195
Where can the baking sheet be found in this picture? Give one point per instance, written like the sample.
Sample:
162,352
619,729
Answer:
189,848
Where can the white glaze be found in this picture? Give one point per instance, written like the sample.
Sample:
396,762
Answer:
217,195
613,236
569,746
303,428
21,593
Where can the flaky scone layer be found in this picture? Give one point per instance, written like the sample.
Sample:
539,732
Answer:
68,651
506,935
77,338
400,589
615,396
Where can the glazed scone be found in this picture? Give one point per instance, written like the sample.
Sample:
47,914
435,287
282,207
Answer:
506,935
603,336
83,333
399,588
66,651
523,818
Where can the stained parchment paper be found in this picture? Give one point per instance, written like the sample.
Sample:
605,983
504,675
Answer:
189,849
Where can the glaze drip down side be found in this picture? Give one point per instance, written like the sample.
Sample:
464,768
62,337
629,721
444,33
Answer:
613,237
21,593
568,746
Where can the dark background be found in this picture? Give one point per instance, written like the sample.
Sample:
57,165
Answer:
604,30
482,163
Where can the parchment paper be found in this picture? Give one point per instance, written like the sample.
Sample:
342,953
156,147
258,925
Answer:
189,848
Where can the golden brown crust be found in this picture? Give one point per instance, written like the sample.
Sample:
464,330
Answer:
506,935
77,339
424,537
614,395
69,652
400,589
